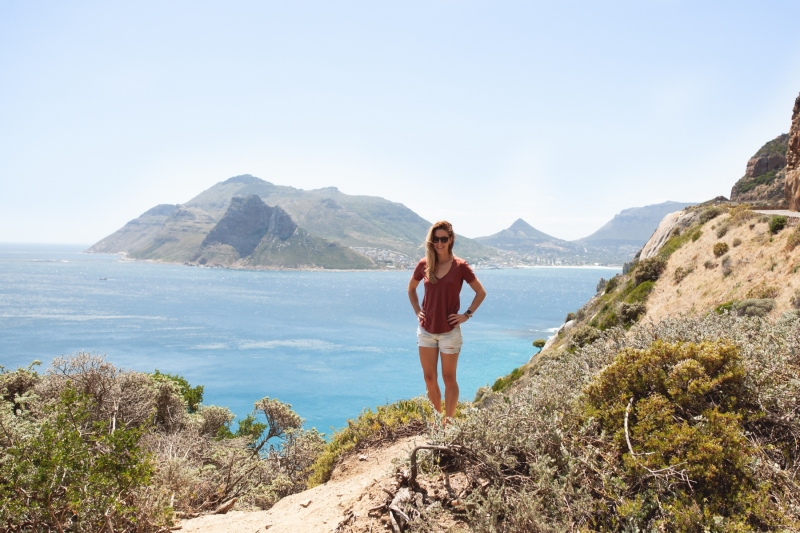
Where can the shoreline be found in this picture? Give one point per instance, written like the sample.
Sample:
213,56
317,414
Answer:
477,267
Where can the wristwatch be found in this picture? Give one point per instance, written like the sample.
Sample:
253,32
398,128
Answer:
468,313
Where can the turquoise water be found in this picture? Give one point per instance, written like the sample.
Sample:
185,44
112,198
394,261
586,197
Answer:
329,343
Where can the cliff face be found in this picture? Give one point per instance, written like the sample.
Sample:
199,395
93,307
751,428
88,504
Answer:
252,234
763,180
246,222
792,190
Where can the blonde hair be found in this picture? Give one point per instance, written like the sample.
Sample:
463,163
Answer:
431,257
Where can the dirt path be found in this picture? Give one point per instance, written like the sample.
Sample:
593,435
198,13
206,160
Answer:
355,486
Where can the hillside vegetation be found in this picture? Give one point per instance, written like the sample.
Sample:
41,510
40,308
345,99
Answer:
669,402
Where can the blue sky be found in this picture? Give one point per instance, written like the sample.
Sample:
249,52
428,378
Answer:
561,113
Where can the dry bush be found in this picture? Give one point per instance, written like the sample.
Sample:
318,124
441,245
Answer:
727,267
649,269
741,214
737,242
795,299
720,249
762,290
709,264
629,313
723,230
542,462
583,335
710,213
793,239
682,272
138,452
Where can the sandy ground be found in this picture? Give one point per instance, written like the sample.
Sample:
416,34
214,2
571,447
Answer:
760,260
355,487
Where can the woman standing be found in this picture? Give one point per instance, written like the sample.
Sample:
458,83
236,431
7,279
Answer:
440,322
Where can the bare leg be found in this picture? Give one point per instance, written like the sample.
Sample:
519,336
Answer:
429,358
449,364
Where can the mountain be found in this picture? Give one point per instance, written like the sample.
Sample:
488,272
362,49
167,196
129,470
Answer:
522,238
765,176
349,231
615,243
632,227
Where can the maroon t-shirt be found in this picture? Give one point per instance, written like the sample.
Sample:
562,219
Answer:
442,298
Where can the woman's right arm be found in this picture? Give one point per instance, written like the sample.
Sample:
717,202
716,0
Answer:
414,299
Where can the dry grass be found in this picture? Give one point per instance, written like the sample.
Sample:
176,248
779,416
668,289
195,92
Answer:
761,260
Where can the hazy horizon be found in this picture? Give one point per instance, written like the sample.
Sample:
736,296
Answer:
477,112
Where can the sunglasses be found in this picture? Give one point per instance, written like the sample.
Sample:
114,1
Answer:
442,240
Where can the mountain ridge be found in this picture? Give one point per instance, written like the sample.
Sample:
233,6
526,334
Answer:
373,225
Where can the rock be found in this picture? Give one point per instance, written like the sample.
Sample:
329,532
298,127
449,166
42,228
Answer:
679,219
792,190
763,180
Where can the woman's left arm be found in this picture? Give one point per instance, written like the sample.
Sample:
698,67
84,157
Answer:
480,294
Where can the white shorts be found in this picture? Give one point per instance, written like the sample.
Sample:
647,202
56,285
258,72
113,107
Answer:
449,342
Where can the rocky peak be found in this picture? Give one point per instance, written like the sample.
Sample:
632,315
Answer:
520,226
281,224
243,225
771,156
763,180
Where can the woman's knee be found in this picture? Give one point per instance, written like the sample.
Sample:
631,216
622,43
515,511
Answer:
430,377
449,379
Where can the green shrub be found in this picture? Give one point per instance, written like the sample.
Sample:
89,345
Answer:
726,408
612,284
630,312
539,343
192,395
724,307
676,416
64,471
570,316
754,307
640,292
709,213
720,249
583,335
649,269
696,234
777,223
504,382
405,417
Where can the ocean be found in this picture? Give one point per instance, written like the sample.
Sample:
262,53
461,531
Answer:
328,343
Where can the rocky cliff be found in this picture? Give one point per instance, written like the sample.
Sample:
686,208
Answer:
792,189
763,180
